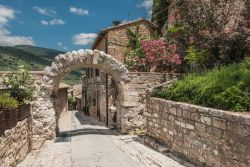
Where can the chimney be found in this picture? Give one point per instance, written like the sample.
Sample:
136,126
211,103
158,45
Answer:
116,22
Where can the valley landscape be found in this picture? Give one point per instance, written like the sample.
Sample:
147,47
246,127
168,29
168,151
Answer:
34,58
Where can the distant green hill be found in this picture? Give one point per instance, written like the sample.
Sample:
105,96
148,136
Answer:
45,53
34,58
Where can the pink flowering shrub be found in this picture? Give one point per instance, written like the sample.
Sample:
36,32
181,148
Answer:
158,55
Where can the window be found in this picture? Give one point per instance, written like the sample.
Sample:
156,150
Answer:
91,72
87,73
97,72
94,101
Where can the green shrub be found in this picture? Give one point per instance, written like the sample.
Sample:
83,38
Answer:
21,85
198,59
7,102
71,100
226,88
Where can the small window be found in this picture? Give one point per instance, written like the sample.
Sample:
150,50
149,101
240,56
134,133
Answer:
87,72
97,72
91,72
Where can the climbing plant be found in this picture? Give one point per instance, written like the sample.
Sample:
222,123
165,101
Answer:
134,52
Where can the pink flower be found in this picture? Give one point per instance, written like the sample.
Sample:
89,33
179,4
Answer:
157,52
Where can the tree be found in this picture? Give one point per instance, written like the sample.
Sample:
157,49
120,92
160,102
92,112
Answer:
216,26
160,12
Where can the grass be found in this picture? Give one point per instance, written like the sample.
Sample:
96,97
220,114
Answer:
226,88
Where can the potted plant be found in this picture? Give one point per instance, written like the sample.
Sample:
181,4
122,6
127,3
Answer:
22,86
8,108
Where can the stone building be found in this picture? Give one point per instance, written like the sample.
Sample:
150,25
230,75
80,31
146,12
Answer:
78,102
100,92
77,89
62,97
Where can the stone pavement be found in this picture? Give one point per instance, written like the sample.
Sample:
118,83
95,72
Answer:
84,142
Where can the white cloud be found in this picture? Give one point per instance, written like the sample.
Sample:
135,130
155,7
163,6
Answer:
43,22
56,22
59,43
6,39
84,38
6,13
79,11
53,22
146,4
44,11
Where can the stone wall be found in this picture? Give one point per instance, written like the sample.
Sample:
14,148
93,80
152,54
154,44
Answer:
16,143
140,82
38,79
118,40
136,88
204,136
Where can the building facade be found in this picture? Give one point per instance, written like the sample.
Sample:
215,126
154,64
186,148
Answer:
99,90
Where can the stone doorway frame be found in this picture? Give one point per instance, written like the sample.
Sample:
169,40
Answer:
44,111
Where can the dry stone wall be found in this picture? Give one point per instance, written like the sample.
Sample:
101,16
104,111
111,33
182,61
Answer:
16,143
205,136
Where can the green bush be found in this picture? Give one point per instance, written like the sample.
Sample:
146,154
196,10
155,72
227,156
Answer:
71,100
198,59
226,88
7,102
21,85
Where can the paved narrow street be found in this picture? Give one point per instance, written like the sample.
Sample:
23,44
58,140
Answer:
86,143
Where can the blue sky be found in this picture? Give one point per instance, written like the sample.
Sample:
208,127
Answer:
63,24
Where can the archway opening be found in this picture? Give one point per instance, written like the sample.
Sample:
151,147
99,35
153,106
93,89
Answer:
90,92
68,99
44,114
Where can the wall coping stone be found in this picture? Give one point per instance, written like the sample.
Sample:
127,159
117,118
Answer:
207,110
154,73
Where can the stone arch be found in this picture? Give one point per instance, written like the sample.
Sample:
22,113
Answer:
44,113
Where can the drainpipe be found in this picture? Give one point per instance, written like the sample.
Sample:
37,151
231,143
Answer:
106,84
